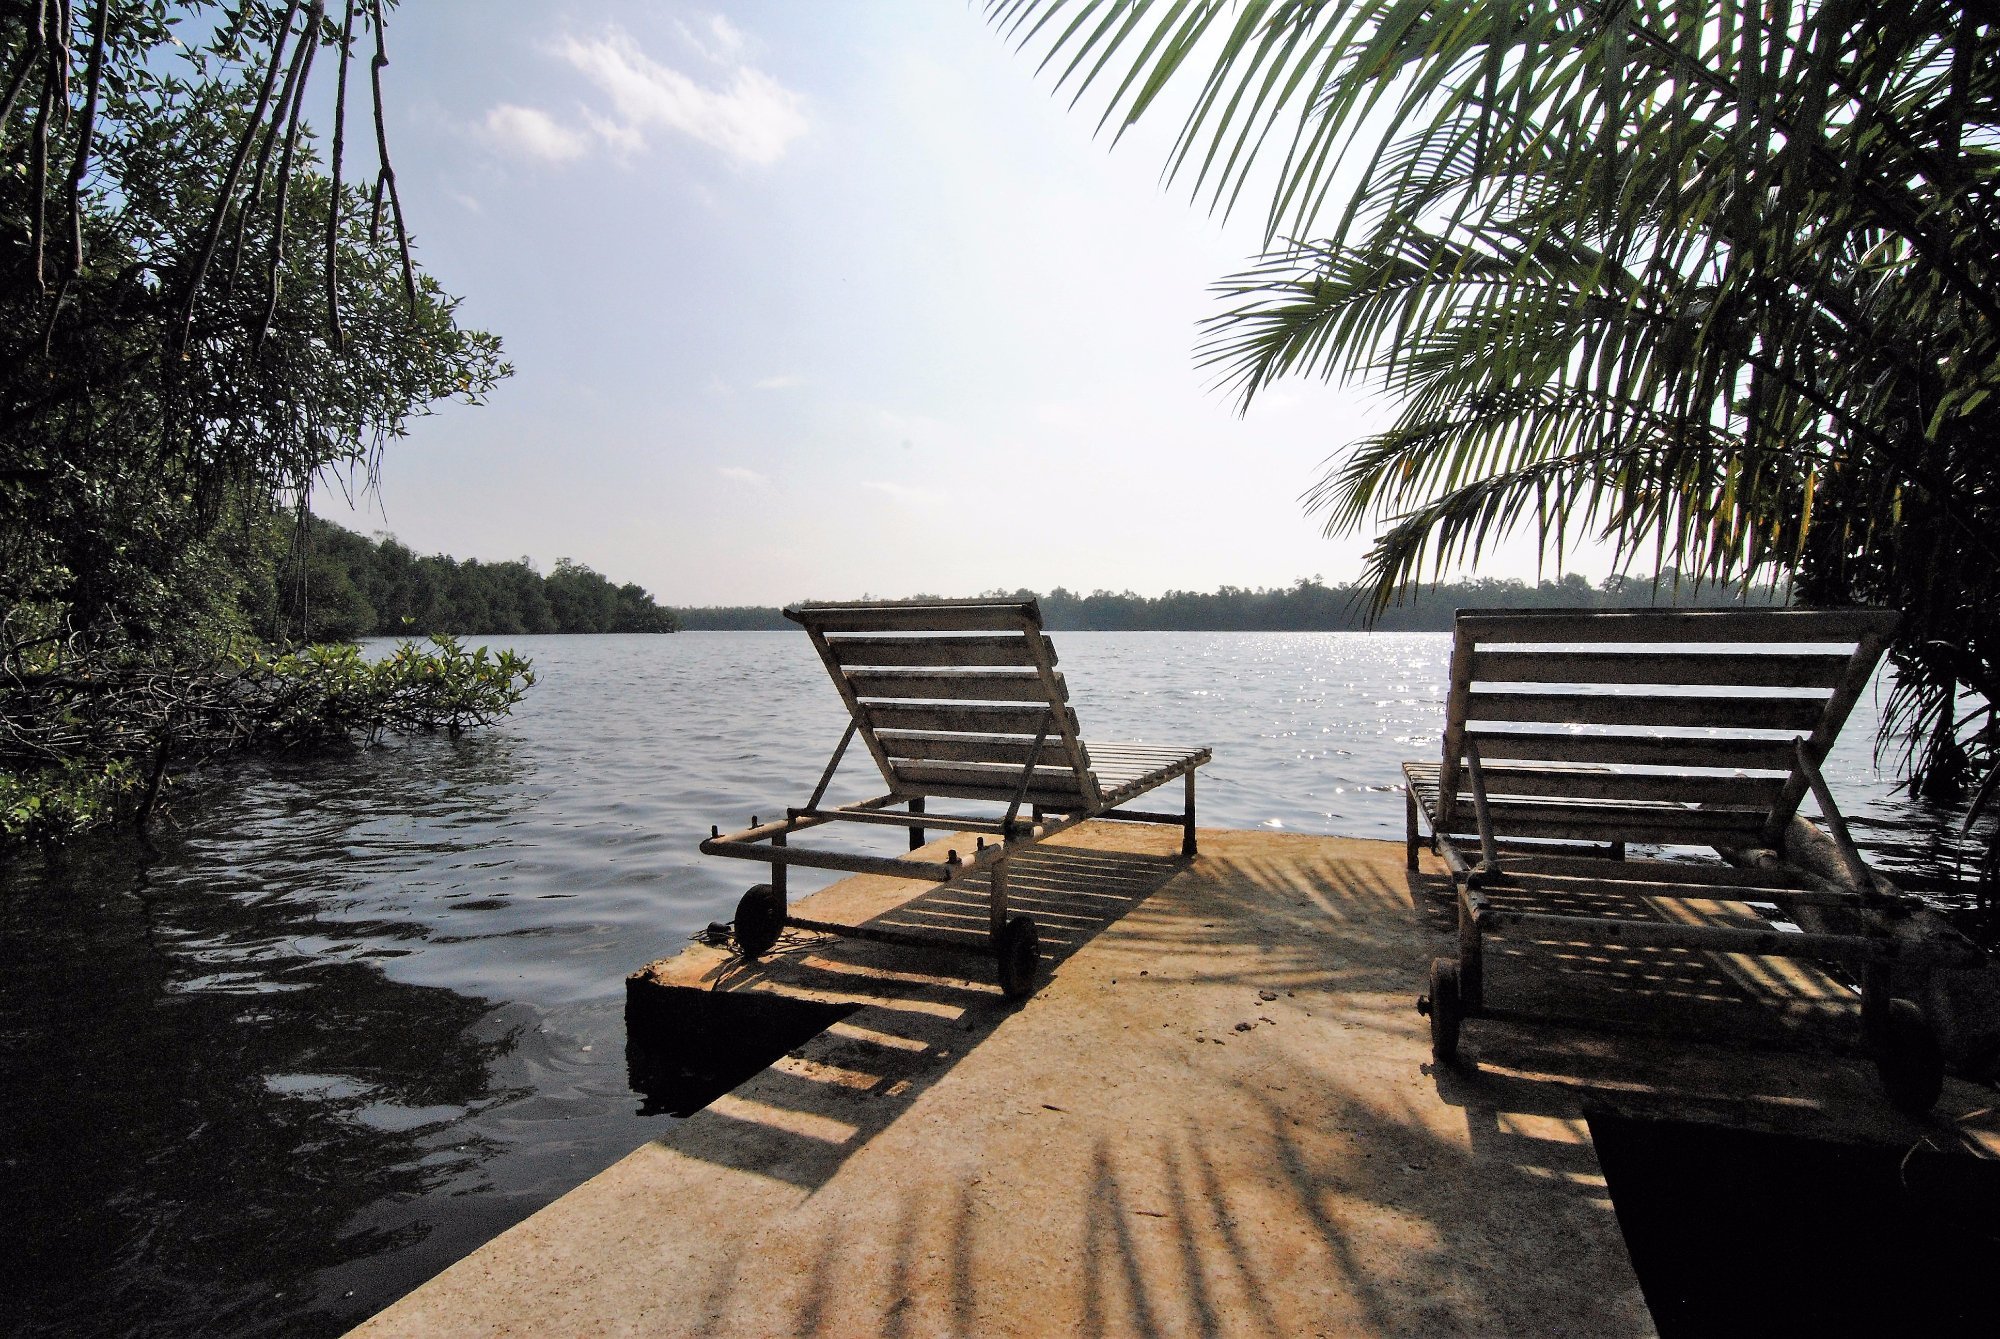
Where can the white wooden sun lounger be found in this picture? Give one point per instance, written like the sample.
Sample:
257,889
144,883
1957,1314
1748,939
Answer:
953,700
1569,734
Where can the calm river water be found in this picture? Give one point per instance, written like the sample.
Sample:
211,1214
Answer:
353,1017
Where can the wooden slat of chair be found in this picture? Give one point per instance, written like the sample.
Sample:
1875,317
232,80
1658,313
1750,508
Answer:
1121,781
1555,820
937,707
1665,886
1725,669
945,685
1060,801
1737,878
1640,826
938,746
941,616
969,718
1002,781
1773,755
1136,763
1678,625
1753,713
1006,652
1746,792
1598,815
947,696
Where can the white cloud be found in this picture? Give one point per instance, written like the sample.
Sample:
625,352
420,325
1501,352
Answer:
779,383
906,494
624,138
740,475
533,133
751,119
723,42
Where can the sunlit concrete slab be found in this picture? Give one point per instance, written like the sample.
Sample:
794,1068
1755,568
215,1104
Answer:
1217,1115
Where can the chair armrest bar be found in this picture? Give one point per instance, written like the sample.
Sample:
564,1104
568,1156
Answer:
832,766
1850,855
1489,850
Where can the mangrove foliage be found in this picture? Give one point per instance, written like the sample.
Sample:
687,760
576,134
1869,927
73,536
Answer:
334,585
201,317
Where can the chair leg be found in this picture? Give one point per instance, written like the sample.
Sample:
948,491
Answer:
997,904
916,834
1410,830
1187,819
1471,955
1874,1002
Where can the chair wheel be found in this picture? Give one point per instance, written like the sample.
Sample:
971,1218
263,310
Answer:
1446,1013
760,915
1020,954
1909,1060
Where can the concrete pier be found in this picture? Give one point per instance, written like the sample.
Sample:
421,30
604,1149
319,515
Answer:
1217,1115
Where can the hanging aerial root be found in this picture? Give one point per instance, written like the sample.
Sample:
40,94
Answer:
334,200
212,239
79,168
275,261
388,175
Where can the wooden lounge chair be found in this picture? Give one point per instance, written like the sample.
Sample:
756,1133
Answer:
957,700
1570,734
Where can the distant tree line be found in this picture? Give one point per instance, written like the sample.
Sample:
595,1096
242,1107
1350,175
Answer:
734,618
335,585
1309,605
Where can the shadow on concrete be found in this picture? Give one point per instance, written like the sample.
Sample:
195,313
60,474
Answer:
1175,1216
842,1035
1726,1039
1733,1231
685,1047
1303,1172
1174,1235
1761,1180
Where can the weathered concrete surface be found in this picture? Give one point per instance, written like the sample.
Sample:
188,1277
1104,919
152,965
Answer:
1149,1143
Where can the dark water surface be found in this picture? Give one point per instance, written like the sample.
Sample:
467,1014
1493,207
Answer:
353,1017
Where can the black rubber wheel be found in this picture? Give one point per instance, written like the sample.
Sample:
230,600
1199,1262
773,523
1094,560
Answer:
1020,954
1445,1010
1909,1059
759,917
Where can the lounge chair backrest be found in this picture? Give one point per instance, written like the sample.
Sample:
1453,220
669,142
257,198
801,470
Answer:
950,697
1749,680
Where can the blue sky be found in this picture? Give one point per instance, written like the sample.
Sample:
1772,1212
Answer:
816,300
